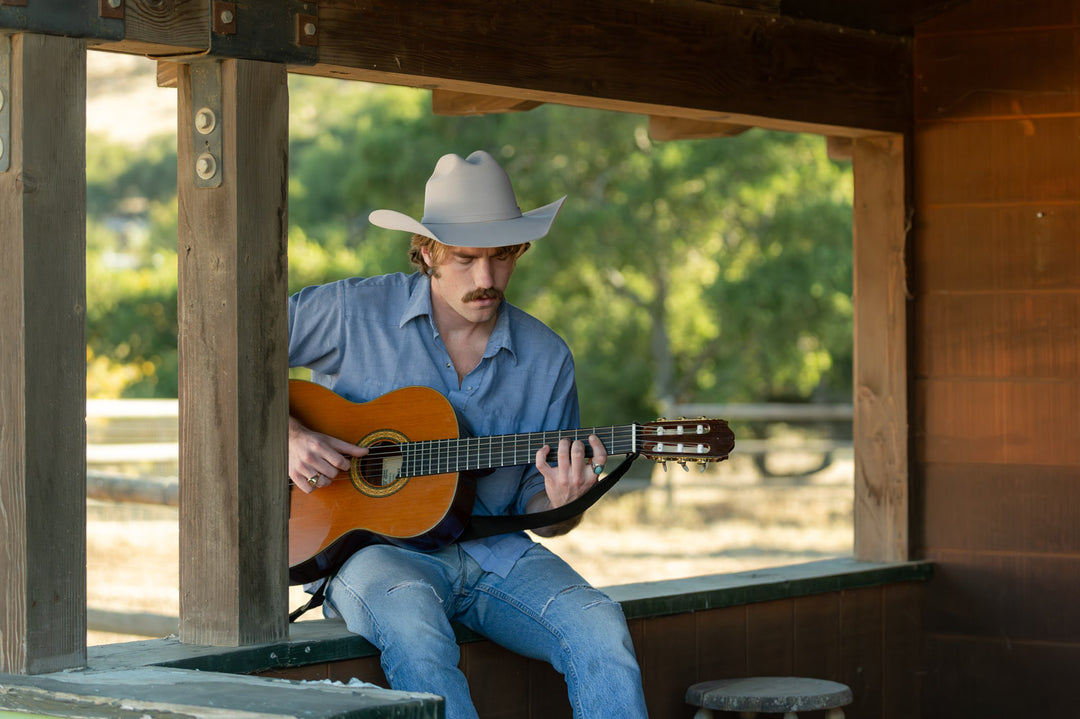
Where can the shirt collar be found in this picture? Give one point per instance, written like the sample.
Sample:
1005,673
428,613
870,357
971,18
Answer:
419,304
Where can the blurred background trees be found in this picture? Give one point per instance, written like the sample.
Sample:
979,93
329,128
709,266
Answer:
690,271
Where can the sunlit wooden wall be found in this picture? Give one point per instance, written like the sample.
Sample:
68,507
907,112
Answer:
996,355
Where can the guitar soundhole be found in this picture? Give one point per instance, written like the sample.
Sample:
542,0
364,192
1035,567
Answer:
378,474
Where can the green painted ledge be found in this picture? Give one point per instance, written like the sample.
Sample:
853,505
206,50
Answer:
323,640
694,594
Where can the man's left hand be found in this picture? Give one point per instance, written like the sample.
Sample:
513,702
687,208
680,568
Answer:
574,474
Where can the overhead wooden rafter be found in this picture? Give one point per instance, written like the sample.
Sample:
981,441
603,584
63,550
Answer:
671,58
448,102
679,128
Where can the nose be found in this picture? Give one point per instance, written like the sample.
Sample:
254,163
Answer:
484,272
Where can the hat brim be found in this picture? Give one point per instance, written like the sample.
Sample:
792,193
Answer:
532,225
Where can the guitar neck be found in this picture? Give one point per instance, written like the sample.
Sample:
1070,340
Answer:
442,456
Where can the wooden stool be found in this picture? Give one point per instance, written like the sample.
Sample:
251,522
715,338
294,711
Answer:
750,695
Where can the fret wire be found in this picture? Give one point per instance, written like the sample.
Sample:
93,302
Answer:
443,456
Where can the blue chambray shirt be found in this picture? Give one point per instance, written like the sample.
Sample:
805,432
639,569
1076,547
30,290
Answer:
364,337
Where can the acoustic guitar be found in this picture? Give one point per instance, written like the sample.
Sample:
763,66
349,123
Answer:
416,485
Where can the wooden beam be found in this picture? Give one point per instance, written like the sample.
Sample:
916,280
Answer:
234,363
167,73
447,102
839,149
881,362
742,65
638,57
164,27
43,357
679,128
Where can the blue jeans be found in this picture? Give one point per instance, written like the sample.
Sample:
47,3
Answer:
404,601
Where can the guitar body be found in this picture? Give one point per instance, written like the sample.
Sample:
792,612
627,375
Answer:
416,486
420,512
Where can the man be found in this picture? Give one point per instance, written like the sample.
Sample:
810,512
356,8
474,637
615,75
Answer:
449,328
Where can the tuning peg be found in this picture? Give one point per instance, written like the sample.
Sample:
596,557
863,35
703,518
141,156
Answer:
664,466
683,465
702,466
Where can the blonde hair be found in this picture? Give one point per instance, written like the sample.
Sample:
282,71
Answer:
438,250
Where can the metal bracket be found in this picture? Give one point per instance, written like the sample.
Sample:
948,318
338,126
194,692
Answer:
96,19
5,102
206,131
285,31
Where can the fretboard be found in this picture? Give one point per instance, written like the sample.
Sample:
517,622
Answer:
442,456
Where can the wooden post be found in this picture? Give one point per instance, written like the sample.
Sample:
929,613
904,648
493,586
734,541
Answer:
234,362
881,382
43,356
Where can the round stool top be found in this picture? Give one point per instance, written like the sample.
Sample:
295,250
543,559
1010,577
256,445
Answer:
769,694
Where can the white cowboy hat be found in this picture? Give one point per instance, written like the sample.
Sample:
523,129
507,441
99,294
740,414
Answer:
470,203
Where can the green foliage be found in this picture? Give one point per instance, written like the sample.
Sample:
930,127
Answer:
131,330
705,271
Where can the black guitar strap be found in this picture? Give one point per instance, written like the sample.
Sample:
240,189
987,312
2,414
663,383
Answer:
480,527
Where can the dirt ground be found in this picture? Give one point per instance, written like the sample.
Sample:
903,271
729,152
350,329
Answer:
682,524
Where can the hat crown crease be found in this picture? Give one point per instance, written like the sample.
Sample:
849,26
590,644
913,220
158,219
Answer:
475,189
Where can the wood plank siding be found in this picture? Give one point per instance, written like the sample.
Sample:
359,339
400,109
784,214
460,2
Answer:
996,355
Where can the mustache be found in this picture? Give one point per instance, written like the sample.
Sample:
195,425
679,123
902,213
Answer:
484,293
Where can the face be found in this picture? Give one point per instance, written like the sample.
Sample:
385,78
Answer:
469,282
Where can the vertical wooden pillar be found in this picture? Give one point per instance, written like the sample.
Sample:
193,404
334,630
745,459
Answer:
881,379
43,356
234,362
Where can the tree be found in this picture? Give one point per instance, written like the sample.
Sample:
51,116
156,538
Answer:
705,270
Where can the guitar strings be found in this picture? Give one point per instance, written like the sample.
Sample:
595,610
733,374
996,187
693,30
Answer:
456,453
440,456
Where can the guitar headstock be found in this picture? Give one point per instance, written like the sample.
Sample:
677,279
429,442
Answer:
684,441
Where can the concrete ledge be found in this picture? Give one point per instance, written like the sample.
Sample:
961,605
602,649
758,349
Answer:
177,693
325,640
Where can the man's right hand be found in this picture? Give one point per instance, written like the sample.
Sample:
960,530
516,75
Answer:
316,458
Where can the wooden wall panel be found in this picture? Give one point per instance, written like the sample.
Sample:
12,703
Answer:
969,161
1000,677
996,277
1029,597
721,644
1019,423
862,649
999,508
816,650
770,628
998,74
1003,335
668,664
502,698
547,693
902,652
997,248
